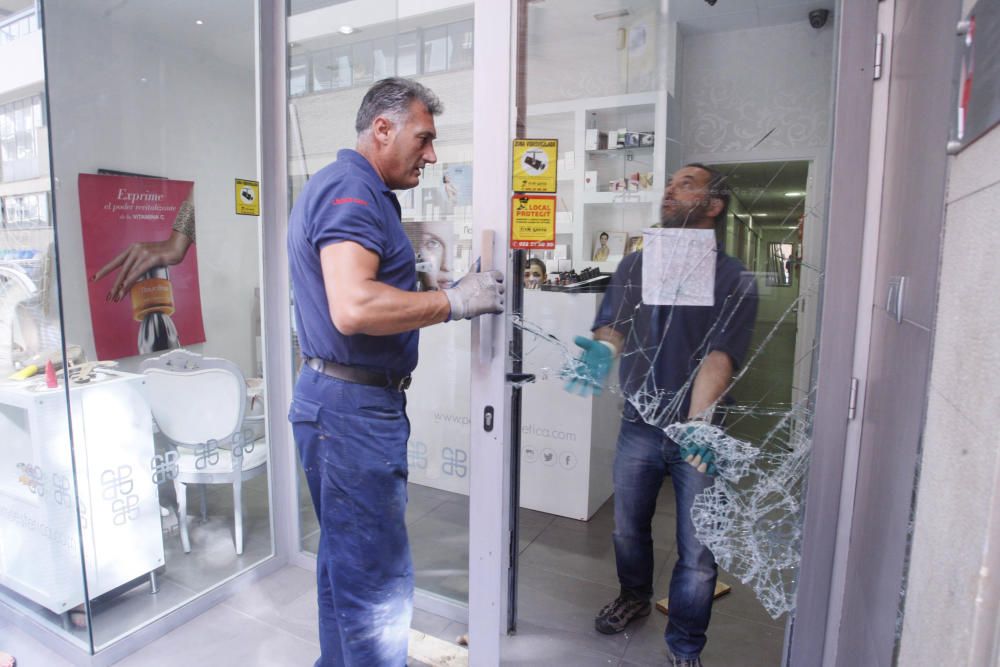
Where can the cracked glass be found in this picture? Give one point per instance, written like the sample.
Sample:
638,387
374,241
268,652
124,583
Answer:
660,310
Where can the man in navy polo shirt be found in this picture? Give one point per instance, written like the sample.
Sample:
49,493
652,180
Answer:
676,364
357,312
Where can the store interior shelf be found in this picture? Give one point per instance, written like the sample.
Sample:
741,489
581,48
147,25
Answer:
585,213
621,197
619,151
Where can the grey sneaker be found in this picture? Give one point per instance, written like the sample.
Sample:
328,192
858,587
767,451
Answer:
680,662
616,615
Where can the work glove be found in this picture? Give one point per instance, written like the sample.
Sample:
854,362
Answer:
476,294
589,371
691,440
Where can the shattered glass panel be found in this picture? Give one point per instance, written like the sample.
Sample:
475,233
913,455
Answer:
757,438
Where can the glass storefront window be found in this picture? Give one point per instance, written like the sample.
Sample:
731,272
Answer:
134,472
323,66
361,61
24,211
436,49
384,58
460,45
340,67
18,27
298,75
21,123
408,50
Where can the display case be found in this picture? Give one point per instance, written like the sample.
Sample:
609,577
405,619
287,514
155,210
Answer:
119,514
567,441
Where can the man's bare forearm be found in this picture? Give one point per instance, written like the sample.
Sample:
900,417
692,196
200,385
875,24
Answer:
360,304
714,375
378,309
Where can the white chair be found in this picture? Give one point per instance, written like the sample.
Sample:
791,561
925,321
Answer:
199,404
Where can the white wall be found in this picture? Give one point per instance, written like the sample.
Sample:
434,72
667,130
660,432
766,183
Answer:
737,86
193,118
570,55
952,593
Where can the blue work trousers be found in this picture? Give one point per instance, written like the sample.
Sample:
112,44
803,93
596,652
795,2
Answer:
352,444
643,458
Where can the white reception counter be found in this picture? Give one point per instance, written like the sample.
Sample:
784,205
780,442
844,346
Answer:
567,441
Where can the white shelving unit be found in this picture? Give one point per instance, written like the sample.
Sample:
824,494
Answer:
584,213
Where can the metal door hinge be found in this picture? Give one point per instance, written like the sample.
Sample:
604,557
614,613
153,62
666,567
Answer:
852,402
512,551
879,52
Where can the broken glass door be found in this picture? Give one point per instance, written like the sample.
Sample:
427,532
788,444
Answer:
693,148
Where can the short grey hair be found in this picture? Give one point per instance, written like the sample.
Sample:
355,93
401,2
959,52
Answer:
392,97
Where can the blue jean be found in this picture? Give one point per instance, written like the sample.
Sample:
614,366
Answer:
352,444
643,457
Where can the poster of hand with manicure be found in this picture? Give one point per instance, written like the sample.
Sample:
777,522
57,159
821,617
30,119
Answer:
141,262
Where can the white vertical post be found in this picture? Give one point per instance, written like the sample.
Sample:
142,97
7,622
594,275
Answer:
275,312
489,525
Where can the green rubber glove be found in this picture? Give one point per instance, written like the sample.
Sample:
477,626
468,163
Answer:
591,368
694,451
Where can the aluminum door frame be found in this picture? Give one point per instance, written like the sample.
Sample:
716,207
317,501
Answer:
848,187
911,218
490,538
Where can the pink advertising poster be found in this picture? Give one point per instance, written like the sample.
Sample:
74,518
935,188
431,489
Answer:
162,310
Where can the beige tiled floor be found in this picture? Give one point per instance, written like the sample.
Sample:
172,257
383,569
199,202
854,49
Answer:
567,573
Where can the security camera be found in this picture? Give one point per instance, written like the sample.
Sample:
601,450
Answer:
818,17
711,3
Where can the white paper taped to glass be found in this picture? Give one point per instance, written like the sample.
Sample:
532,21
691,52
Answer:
678,267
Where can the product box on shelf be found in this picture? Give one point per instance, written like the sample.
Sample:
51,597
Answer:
595,139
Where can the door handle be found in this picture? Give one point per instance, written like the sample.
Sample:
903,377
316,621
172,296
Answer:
520,378
486,322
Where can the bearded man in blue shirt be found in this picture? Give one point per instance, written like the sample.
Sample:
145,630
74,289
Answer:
677,363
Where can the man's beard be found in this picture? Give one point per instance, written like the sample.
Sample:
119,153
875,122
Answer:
679,219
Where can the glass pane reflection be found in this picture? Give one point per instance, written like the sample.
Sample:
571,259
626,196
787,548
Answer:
437,217
153,120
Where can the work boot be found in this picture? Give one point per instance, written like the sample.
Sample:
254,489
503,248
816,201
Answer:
681,662
616,615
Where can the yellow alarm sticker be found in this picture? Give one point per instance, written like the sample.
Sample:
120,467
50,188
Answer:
247,197
534,165
532,222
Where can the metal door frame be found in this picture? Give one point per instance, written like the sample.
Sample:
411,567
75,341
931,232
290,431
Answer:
490,538
830,480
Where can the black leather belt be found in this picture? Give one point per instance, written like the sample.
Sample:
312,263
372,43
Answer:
359,375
